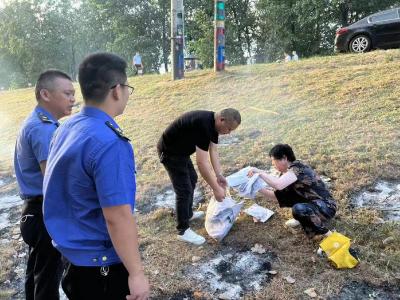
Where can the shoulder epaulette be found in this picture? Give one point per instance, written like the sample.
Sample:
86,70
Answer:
118,131
44,118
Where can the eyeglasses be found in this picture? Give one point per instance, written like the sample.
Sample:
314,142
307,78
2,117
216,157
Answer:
131,88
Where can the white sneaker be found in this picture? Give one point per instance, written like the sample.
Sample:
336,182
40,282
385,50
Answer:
197,215
191,237
292,223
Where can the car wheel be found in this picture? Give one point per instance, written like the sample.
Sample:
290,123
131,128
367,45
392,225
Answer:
360,44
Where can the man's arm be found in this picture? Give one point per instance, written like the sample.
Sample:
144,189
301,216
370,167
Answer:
214,157
202,159
121,226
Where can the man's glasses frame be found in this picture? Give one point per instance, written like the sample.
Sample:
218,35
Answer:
131,88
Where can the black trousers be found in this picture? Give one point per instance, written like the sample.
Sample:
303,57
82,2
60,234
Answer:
100,283
183,177
44,267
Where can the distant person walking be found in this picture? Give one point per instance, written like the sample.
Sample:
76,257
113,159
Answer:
295,57
287,57
55,97
137,64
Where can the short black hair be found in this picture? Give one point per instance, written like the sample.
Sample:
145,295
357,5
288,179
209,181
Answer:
98,73
281,150
46,80
231,115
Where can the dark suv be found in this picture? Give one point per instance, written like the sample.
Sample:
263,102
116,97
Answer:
380,30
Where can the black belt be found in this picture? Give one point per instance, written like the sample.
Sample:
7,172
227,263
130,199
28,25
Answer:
34,199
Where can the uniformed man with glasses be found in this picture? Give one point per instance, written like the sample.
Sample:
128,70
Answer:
89,190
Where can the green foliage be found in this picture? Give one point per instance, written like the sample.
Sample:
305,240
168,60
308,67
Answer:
41,34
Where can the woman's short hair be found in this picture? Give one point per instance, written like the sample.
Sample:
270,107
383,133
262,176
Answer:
281,150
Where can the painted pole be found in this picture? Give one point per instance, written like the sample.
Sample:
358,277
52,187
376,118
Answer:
219,36
177,39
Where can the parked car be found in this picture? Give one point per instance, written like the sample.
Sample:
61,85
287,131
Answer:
380,30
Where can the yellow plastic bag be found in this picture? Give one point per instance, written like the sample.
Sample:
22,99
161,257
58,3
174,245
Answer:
336,246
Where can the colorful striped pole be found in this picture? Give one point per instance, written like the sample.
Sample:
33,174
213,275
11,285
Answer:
219,36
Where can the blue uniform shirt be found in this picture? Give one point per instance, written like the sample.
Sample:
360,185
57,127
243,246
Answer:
31,148
90,166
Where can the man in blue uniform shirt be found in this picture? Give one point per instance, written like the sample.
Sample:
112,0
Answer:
89,190
55,96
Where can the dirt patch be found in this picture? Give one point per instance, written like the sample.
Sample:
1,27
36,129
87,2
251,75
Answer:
231,273
365,290
166,199
384,196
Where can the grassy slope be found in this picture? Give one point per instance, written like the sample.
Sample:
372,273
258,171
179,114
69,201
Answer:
341,114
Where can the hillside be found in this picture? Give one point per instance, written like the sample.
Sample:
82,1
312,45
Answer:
341,114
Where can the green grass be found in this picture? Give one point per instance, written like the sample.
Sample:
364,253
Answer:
341,114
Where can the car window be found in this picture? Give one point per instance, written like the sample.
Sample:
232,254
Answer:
386,16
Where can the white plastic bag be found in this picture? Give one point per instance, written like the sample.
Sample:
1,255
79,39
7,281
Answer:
246,186
261,214
220,217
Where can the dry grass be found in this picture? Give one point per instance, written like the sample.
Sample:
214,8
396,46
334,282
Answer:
341,114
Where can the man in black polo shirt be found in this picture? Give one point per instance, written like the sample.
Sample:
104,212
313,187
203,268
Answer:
195,131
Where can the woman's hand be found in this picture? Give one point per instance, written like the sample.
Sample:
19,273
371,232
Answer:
253,171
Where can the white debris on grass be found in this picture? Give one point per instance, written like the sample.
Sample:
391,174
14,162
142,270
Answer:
261,214
289,279
258,248
229,276
311,292
384,197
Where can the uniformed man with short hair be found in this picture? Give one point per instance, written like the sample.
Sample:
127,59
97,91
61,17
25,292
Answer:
55,96
89,190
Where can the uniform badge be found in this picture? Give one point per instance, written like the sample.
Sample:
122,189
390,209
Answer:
118,131
44,118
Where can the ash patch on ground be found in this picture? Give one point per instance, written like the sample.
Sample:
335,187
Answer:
364,290
231,274
229,139
166,199
384,196
254,134
8,205
179,295
10,237
233,139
